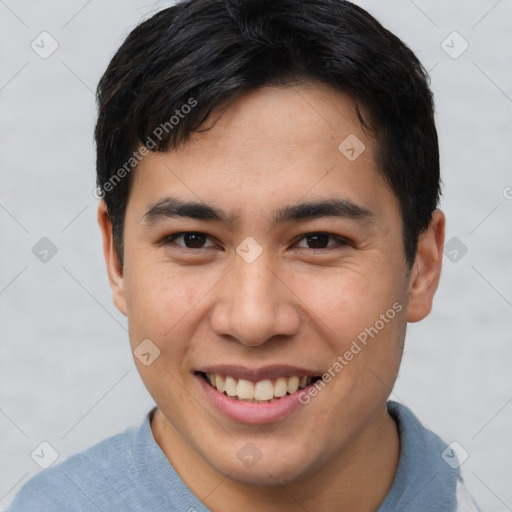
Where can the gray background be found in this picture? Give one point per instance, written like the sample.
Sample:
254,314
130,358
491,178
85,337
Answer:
66,372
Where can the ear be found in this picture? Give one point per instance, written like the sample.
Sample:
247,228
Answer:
114,267
426,271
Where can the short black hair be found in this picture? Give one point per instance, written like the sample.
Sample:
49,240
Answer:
174,69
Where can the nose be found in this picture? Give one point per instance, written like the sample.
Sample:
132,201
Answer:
254,304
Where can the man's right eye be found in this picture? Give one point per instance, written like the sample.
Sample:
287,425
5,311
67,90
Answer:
189,240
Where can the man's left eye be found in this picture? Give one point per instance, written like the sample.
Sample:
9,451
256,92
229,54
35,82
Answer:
319,241
191,240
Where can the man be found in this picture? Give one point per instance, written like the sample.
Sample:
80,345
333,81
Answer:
270,178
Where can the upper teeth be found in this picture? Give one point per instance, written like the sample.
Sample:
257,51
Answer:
266,389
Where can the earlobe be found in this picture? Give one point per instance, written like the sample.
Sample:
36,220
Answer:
114,267
426,271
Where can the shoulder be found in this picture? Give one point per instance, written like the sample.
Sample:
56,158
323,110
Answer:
84,481
428,475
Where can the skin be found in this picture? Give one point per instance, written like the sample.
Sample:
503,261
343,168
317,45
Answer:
294,304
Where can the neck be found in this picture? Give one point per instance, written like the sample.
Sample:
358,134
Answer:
358,479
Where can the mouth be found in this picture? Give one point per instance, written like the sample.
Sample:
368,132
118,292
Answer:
264,391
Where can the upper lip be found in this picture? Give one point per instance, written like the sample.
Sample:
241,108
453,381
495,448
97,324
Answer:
262,373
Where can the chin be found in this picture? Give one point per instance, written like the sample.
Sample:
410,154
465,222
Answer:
272,468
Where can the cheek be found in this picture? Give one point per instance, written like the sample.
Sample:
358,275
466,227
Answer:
159,298
348,300
165,307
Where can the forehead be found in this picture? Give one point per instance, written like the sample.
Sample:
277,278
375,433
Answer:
270,144
283,120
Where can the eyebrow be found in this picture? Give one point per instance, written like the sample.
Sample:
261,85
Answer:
341,208
170,207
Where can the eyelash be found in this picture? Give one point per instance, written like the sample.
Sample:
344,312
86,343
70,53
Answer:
340,241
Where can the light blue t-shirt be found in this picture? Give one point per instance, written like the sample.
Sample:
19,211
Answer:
130,473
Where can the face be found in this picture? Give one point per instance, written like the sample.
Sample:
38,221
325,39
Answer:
260,256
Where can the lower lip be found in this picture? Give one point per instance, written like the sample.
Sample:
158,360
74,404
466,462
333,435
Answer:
251,412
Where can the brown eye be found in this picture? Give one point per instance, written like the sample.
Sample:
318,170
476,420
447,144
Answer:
317,240
320,241
190,240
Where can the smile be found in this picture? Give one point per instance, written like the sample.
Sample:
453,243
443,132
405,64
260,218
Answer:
255,396
261,391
